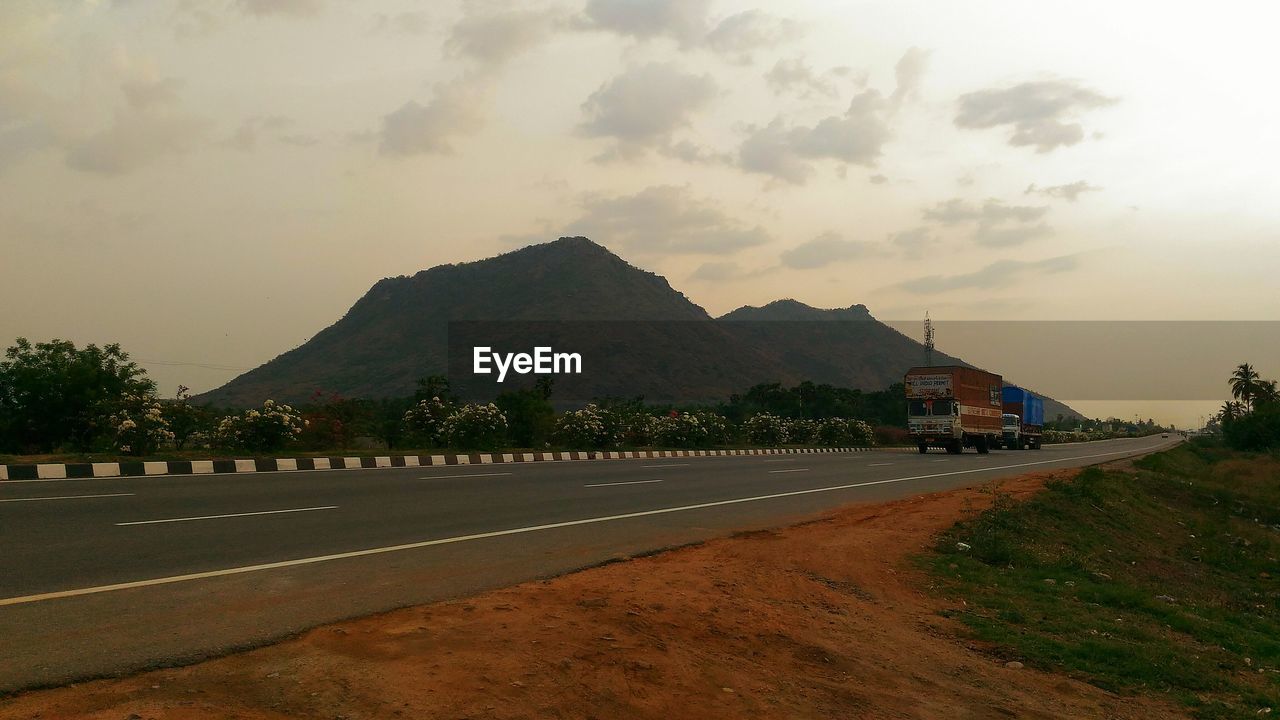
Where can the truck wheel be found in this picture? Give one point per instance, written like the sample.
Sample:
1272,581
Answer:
954,448
981,446
923,448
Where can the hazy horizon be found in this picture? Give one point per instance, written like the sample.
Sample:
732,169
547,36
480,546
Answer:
211,183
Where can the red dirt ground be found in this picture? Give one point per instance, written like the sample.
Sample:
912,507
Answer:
821,620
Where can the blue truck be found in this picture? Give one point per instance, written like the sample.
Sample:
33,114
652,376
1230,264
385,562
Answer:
1023,419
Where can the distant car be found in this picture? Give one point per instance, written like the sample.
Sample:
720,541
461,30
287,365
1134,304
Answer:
1164,435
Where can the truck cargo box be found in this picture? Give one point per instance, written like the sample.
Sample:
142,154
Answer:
1025,404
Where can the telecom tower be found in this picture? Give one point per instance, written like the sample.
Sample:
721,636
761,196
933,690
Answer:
928,340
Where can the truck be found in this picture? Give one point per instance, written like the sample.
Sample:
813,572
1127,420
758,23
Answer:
954,407
1023,419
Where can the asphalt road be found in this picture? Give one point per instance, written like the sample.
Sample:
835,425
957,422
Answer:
107,576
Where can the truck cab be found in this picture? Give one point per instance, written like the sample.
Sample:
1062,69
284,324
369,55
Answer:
1011,429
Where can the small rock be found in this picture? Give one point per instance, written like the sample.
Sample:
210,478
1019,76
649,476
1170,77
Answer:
963,547
728,690
1014,665
1050,581
1167,598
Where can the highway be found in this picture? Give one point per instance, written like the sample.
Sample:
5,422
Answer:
107,576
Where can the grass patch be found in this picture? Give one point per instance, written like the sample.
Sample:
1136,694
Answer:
1163,579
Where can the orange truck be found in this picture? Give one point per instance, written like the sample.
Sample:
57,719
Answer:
953,407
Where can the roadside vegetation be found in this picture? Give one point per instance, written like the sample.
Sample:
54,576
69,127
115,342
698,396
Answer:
1163,578
63,403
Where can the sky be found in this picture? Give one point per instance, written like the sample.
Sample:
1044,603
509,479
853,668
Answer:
211,182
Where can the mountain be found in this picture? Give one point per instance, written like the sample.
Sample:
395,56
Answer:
637,336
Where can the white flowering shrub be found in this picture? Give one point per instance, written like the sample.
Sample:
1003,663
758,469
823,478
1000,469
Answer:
426,420
765,429
140,426
479,427
801,431
718,431
832,432
640,430
590,427
270,428
681,430
861,433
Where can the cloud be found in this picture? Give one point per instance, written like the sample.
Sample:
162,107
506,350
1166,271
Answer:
854,138
291,8
134,140
908,73
1006,236
913,242
143,94
1042,114
406,23
643,106
1000,274
956,210
458,109
684,21
492,40
246,136
794,75
739,36
1069,192
826,249
997,224
665,219
718,272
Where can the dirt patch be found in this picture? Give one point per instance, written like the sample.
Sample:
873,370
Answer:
824,619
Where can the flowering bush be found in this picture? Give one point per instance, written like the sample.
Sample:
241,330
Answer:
481,427
716,426
861,433
270,428
426,420
590,427
765,429
639,430
832,431
140,426
801,431
680,430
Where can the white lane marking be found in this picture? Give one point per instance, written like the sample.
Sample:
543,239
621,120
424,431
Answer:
665,465
65,497
229,515
445,477
519,531
788,470
782,460
879,464
942,460
629,482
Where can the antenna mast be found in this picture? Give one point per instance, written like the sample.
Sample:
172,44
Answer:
928,340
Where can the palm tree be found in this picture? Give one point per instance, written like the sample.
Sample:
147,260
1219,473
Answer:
1230,411
1266,393
1244,384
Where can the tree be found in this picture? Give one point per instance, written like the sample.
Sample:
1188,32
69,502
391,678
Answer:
1244,384
1230,411
55,395
186,420
530,414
